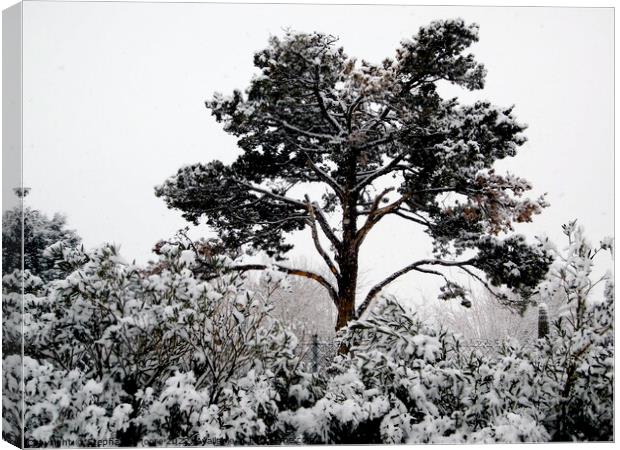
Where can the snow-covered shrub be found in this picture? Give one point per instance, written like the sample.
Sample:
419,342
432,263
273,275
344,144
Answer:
577,354
565,380
130,356
123,355
406,381
12,399
13,319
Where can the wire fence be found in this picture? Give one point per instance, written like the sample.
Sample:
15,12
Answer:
318,352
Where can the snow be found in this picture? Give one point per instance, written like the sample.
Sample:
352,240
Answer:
187,257
403,376
93,388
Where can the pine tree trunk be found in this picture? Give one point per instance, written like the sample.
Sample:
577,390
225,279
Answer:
346,313
347,286
348,255
347,261
347,282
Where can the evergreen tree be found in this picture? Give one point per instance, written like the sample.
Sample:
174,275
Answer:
39,232
382,142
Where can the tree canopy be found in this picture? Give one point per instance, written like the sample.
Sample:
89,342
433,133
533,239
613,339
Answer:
39,232
382,142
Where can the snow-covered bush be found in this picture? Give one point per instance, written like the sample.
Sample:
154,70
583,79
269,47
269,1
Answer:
12,399
115,352
13,284
406,381
125,355
577,354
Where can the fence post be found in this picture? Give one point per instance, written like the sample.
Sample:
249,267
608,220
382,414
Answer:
543,321
315,352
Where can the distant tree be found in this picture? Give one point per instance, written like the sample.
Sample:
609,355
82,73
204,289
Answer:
39,232
379,141
302,304
488,322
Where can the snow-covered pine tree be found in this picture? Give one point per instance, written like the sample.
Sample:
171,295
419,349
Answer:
382,142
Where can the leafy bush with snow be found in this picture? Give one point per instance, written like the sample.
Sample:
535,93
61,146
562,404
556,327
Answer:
161,356
577,355
404,381
117,352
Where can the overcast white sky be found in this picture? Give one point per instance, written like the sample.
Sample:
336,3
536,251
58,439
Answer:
114,104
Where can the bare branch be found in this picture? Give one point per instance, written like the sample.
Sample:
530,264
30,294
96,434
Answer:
410,218
298,272
415,266
317,242
326,227
392,206
375,215
372,218
472,274
325,177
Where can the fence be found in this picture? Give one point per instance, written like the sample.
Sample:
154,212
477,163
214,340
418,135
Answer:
318,352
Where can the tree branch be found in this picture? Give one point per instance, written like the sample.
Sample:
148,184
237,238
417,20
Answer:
306,133
383,140
327,229
412,219
290,201
482,281
372,218
393,206
381,117
415,266
351,110
379,172
325,177
320,216
319,97
290,271
317,242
